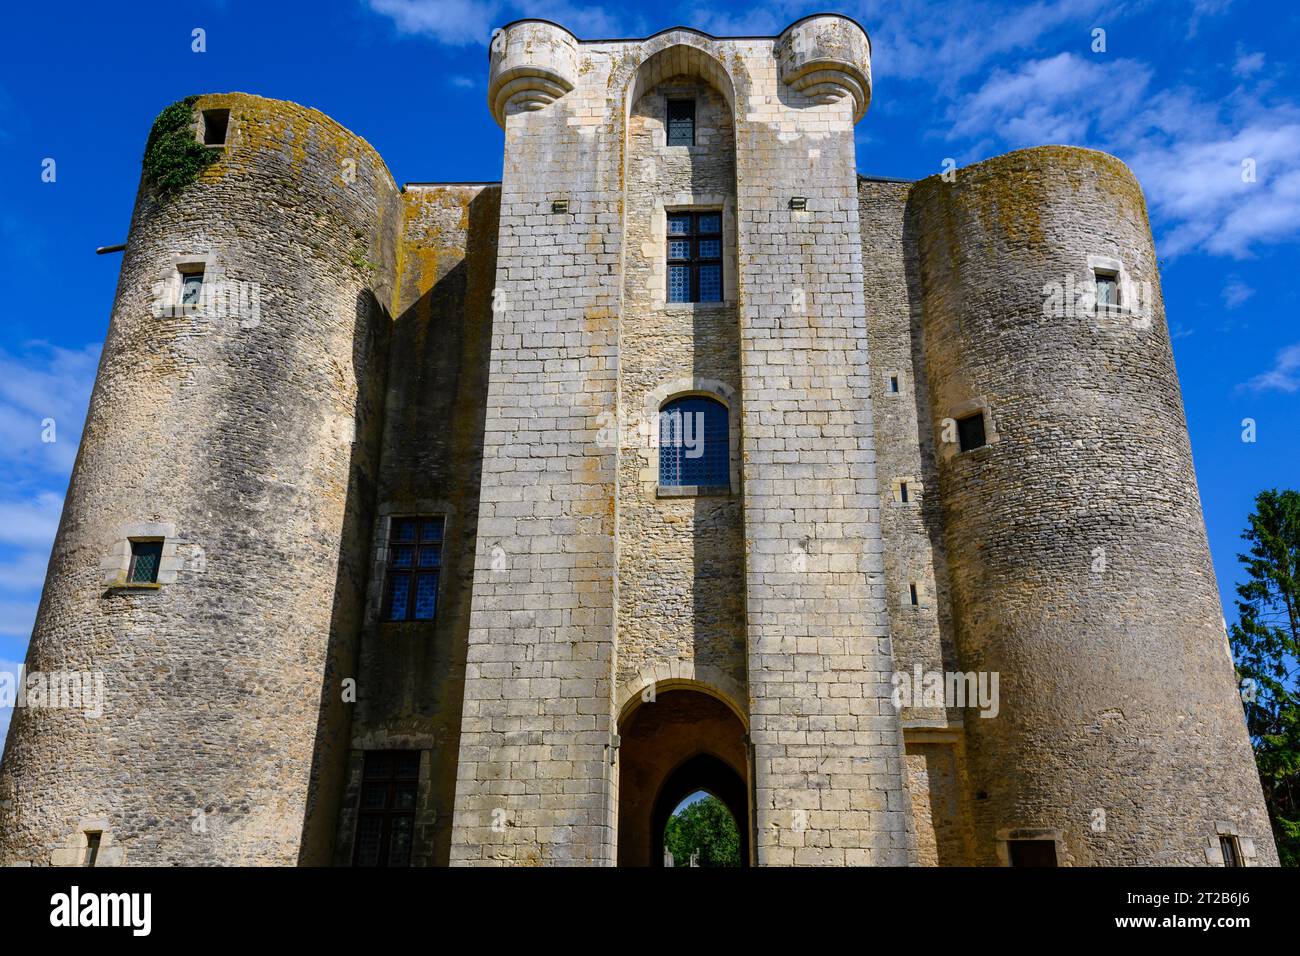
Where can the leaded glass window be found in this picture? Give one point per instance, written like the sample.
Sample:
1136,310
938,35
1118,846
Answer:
681,122
386,815
414,567
145,556
191,287
694,445
695,257
1107,290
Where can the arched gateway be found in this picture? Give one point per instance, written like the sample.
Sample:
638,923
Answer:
675,743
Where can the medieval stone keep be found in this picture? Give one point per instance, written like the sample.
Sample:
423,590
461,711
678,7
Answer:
482,523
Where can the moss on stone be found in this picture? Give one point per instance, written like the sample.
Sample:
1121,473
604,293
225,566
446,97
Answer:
173,156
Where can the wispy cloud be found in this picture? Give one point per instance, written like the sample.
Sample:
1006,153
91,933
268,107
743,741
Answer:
11,668
471,22
1284,376
1220,177
1235,293
44,391
40,384
454,22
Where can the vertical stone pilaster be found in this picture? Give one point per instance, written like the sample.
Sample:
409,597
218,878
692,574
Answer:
534,781
828,764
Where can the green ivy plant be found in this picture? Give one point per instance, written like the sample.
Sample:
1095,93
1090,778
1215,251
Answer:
173,157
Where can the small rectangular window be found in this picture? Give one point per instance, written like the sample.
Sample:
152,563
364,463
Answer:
386,815
1231,851
1032,852
970,431
695,257
893,383
145,557
414,568
1107,290
681,122
902,492
92,846
215,124
916,600
191,287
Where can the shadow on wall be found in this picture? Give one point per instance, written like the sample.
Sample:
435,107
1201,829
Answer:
411,674
329,755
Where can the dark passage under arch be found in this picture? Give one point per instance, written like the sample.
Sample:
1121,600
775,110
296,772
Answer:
671,746
701,772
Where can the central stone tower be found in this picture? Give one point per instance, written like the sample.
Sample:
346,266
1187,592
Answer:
765,594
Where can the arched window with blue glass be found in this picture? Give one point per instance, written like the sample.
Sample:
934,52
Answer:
694,444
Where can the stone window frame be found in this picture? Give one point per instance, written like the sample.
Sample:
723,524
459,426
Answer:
201,126
426,816
915,487
960,410
684,388
1008,835
695,203
73,850
115,562
889,375
385,513
924,593
1125,287
171,285
1214,851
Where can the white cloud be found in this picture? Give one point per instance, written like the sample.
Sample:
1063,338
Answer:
17,618
471,22
1220,185
943,44
461,82
30,522
11,668
1235,293
1284,376
1247,64
454,22
44,382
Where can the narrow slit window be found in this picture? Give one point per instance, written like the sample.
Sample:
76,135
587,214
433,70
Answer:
1231,851
681,122
902,492
215,124
893,383
916,598
695,257
970,432
386,817
1107,290
145,558
92,846
414,568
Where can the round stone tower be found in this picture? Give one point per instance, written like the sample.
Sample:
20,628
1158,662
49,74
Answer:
205,573
1080,568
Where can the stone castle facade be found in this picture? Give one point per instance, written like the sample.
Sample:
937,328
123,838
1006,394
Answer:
380,541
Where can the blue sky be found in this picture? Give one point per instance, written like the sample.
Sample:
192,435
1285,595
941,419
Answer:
1184,92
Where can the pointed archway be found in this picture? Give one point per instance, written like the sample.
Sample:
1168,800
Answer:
676,743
